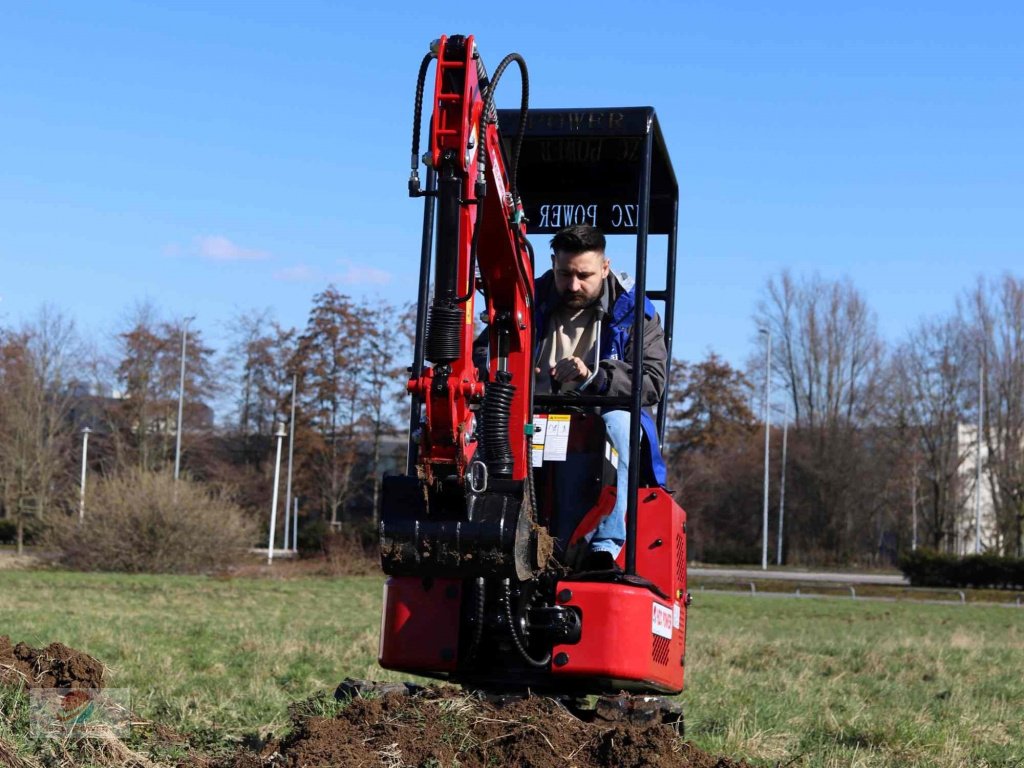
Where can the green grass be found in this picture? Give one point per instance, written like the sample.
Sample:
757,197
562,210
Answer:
812,682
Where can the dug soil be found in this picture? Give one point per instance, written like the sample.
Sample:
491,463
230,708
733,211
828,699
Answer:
55,666
447,727
433,727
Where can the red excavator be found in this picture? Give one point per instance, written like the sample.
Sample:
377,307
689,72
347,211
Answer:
476,594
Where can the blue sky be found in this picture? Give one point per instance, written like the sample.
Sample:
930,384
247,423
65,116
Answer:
219,157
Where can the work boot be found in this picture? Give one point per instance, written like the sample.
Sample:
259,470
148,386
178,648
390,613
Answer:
599,560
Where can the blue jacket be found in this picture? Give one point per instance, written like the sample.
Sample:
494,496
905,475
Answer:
614,375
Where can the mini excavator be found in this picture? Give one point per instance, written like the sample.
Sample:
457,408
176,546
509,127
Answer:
476,593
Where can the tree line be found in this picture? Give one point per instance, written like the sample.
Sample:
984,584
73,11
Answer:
880,435
348,364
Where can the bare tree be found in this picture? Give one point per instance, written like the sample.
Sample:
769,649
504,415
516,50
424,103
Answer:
995,311
261,354
828,357
383,345
38,366
933,374
827,349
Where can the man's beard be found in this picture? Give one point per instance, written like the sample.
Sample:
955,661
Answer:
577,300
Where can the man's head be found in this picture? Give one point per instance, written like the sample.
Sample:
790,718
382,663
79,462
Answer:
579,264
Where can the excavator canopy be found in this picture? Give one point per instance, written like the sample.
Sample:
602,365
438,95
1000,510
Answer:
585,166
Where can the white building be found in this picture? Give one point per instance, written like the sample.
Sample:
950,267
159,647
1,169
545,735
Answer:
971,510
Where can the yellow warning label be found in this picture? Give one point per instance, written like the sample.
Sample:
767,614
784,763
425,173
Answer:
556,440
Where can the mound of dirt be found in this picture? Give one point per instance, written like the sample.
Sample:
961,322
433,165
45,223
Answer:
447,727
55,666
433,726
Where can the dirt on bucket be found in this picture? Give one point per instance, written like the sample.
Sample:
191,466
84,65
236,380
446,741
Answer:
55,666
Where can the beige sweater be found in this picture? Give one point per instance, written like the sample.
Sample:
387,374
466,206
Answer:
571,333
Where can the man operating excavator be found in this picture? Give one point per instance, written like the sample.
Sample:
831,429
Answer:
584,318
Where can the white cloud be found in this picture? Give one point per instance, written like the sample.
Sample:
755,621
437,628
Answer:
352,275
220,248
360,274
300,273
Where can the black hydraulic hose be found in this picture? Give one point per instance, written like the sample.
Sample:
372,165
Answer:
414,175
480,593
524,106
480,188
490,115
516,641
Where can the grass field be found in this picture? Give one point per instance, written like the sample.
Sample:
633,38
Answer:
813,682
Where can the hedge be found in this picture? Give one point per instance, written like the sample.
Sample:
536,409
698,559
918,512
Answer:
927,568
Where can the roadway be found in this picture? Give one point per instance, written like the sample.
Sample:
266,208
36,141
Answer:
831,577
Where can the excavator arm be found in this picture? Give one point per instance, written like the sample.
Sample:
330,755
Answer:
473,459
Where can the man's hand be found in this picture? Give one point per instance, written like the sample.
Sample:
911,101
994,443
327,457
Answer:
570,369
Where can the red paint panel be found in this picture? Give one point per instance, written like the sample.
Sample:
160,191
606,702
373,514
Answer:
618,641
420,624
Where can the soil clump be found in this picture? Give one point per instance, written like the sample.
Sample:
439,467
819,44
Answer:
55,666
444,726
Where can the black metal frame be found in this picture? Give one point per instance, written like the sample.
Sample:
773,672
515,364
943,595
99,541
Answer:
633,180
617,126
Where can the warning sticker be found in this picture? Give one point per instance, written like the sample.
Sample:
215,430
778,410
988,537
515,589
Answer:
661,620
556,439
611,455
540,428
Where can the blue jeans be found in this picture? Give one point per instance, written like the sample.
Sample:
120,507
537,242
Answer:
610,534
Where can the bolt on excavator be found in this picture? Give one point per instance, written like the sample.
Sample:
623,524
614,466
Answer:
478,591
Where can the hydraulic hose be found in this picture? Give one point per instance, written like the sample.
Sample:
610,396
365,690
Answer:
524,106
414,174
479,606
490,115
516,641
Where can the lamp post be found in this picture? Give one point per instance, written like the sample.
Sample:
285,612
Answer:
767,432
913,509
782,483
291,453
85,461
977,478
181,398
273,507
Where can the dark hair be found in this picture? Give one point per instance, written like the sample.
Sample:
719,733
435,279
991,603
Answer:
578,239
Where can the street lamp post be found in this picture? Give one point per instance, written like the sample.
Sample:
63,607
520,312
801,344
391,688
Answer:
85,461
782,483
977,456
913,510
277,483
181,398
767,432
291,454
